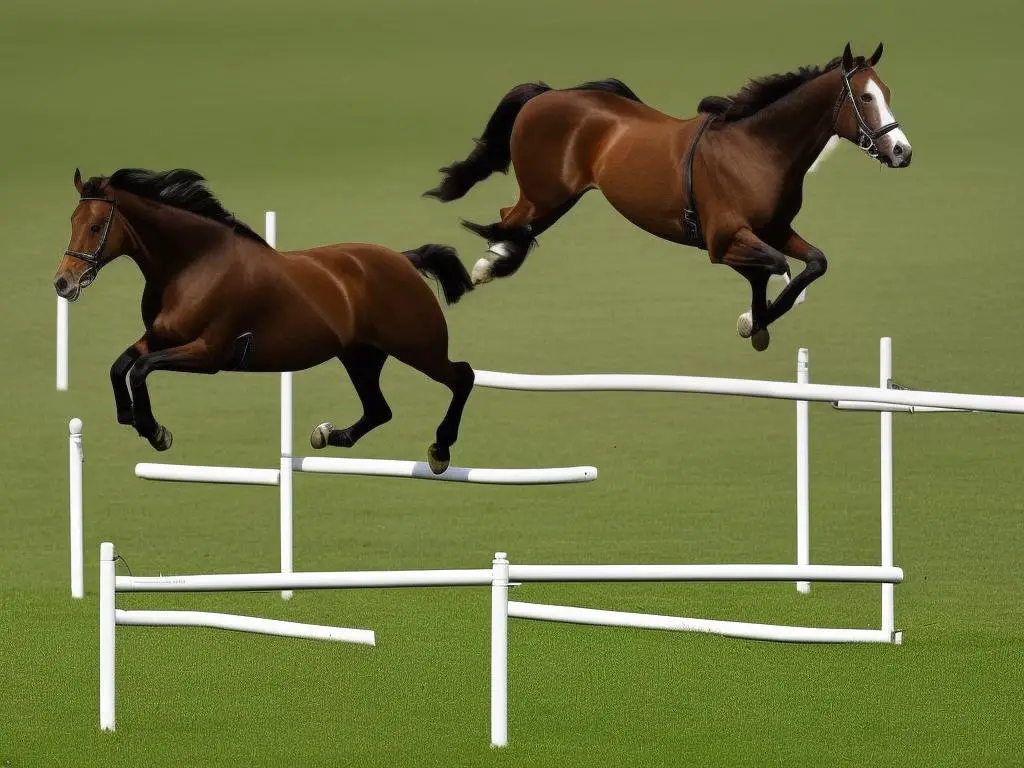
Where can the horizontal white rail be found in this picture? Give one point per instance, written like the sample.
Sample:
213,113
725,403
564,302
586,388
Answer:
257,582
416,470
188,473
853,405
869,574
260,582
421,471
244,624
780,390
773,632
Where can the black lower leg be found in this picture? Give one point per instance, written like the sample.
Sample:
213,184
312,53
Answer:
119,382
190,358
758,279
517,240
364,365
461,385
784,301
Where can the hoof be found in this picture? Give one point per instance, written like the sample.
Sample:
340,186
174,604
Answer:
482,271
162,439
438,464
320,435
745,325
760,340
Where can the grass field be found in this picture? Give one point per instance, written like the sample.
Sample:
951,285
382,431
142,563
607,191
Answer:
337,116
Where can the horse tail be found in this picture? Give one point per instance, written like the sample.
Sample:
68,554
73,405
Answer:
441,263
492,151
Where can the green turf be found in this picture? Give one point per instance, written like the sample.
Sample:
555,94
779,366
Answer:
337,115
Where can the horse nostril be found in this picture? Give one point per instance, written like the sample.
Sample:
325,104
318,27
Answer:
897,150
61,284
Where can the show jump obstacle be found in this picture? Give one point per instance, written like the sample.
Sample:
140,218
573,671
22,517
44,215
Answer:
499,577
502,575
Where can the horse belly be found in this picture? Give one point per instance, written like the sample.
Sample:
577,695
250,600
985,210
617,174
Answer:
642,179
298,327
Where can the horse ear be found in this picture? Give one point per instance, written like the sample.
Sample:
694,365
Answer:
78,180
847,58
875,56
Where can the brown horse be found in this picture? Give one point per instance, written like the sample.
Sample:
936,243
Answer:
219,298
740,164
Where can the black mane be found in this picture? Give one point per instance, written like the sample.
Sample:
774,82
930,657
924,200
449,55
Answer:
761,92
608,85
180,188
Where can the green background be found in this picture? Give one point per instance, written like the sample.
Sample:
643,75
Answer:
337,115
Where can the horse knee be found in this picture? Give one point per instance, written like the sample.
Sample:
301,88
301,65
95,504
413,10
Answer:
817,260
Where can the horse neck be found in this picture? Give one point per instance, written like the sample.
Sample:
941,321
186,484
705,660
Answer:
798,127
164,241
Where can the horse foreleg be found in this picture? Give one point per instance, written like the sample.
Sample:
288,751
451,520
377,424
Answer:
815,266
757,261
195,357
119,379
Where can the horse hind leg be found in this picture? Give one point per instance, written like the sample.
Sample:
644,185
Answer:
364,365
432,360
511,239
459,378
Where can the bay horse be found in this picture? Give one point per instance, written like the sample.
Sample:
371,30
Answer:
729,181
217,297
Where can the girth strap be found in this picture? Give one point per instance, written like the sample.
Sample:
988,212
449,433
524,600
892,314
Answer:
691,221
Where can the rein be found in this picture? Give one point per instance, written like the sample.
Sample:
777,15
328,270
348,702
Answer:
866,138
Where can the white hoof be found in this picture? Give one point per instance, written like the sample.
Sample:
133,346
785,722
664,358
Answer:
482,271
745,325
320,435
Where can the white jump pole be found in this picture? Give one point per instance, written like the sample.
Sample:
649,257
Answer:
62,344
75,459
778,633
107,630
251,624
285,476
779,390
885,381
803,517
499,650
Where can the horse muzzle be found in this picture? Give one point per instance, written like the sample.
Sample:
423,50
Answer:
70,287
899,156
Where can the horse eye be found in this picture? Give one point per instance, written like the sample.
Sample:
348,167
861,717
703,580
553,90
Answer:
95,227
866,97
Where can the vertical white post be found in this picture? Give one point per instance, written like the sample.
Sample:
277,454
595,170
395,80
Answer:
107,630
499,650
285,477
885,382
62,344
803,497
75,458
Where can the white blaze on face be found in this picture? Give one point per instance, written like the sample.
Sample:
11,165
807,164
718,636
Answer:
877,113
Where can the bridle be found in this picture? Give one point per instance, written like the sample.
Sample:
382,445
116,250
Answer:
866,138
95,259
